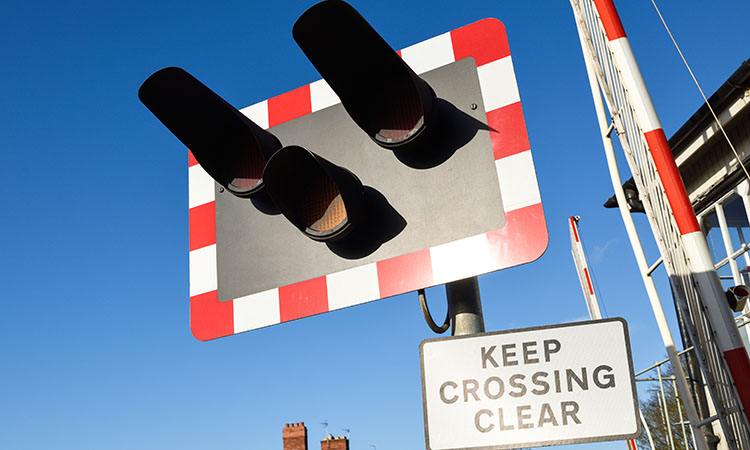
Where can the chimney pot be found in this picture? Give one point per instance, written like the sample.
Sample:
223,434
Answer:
295,436
334,443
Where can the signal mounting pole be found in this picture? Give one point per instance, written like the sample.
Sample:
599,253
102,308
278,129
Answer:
464,307
464,316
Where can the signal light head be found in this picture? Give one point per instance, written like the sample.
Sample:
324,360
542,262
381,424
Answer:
379,91
228,145
737,297
321,199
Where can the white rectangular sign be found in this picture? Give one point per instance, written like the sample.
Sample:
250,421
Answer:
552,385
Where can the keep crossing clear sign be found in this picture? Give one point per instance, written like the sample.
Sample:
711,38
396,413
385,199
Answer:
553,385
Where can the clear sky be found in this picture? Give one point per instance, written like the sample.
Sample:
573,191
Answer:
95,346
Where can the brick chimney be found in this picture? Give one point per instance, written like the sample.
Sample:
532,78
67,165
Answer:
295,436
334,443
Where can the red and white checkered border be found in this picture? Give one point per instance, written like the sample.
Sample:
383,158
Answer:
523,238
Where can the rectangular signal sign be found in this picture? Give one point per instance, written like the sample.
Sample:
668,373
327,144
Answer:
250,268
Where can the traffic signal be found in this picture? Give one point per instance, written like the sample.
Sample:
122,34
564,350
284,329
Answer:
321,199
325,201
397,171
380,92
229,146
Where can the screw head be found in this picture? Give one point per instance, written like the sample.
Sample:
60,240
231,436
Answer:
474,106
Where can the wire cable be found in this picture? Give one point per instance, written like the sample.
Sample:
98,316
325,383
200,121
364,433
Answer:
428,317
716,118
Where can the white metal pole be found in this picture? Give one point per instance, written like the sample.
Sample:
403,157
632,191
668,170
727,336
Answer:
719,209
647,428
743,190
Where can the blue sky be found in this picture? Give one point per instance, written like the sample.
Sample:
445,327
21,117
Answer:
96,348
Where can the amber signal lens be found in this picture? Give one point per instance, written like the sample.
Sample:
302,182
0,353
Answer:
323,207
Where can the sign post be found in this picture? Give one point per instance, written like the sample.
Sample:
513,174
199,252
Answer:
552,385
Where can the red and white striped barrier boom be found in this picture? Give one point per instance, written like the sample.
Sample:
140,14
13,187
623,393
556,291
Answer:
582,267
686,255
587,285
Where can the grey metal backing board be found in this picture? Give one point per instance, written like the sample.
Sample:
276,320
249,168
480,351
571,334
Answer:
448,193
